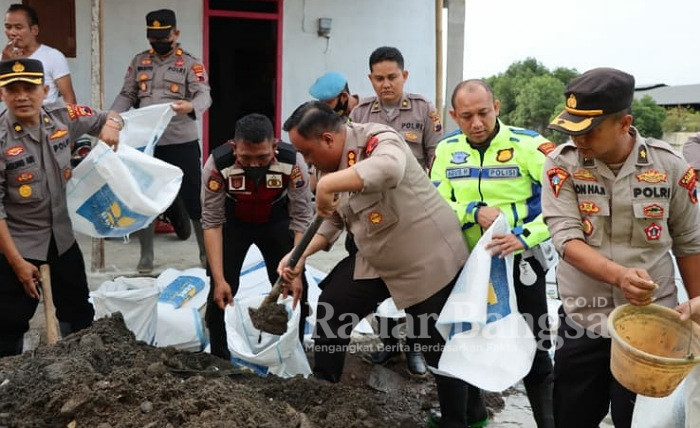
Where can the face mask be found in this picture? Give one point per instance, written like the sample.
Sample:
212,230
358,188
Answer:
341,108
256,173
162,48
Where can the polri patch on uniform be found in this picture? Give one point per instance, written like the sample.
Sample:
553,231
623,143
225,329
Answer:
14,151
652,176
58,134
547,148
653,211
371,145
411,136
375,217
352,158
587,226
689,181
296,177
653,232
67,173
198,70
642,155
174,87
75,111
236,183
25,190
557,176
459,158
214,184
24,177
588,207
273,181
584,175
504,155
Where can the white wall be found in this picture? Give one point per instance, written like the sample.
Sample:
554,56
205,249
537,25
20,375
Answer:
358,27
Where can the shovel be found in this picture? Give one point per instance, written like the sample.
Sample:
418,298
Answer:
270,316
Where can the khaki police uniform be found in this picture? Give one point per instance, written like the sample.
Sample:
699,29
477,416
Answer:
691,151
415,118
151,79
34,168
633,218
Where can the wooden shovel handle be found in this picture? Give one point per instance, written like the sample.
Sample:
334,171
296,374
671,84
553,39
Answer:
49,309
294,257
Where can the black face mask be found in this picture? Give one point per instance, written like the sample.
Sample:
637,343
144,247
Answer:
341,108
162,48
256,173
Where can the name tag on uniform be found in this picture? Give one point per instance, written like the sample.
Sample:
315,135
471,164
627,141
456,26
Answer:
273,181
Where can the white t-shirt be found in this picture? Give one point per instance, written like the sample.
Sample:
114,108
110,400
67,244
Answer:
55,67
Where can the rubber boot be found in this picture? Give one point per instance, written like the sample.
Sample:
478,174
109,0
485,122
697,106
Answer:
453,395
477,414
65,328
541,396
199,235
328,365
145,265
11,347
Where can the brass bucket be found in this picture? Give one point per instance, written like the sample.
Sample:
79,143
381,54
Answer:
649,353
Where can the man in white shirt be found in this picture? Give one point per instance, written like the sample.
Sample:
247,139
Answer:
22,29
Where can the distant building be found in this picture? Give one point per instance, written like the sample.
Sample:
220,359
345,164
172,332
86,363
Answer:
671,96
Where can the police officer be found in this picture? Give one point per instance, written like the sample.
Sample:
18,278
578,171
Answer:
412,115
167,74
387,201
255,191
416,119
691,152
332,88
485,169
615,204
34,224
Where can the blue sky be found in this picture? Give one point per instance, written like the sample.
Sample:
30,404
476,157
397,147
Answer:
656,41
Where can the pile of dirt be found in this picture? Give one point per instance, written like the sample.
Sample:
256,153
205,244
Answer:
102,377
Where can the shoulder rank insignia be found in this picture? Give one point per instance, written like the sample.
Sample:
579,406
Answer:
557,176
689,181
352,158
371,145
652,176
547,148
643,155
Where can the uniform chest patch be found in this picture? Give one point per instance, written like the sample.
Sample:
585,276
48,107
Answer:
587,226
588,207
273,181
174,87
653,232
179,62
557,176
411,136
236,183
14,151
504,155
375,217
585,175
459,158
652,176
67,173
58,134
25,190
653,211
24,177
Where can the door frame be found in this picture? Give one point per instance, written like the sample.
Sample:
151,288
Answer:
209,13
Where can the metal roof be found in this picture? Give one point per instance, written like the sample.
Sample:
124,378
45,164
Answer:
671,95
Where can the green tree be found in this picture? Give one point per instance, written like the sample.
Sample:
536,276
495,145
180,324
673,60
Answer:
648,117
681,119
531,95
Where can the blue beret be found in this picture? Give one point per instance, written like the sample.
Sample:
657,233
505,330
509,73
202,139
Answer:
328,86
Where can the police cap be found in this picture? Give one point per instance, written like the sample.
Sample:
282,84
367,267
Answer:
328,86
159,23
591,97
22,69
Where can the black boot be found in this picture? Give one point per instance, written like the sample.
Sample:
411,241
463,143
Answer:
214,318
388,351
477,414
416,364
541,398
11,347
329,364
145,265
453,395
